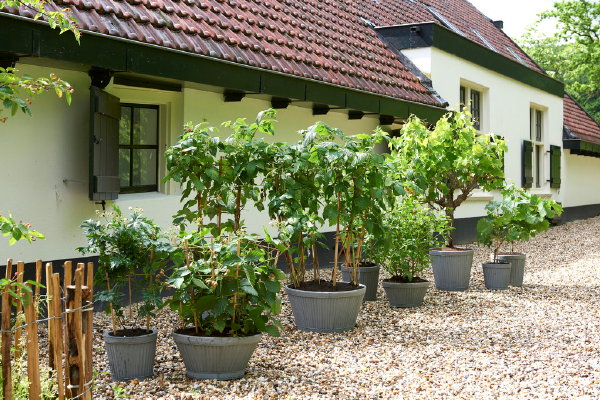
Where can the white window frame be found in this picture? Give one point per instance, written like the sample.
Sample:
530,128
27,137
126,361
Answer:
470,90
538,137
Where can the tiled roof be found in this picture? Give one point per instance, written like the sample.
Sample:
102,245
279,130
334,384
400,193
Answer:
326,40
323,40
461,14
579,122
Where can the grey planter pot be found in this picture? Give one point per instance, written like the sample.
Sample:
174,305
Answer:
325,311
452,269
405,295
222,358
517,270
368,276
131,357
496,276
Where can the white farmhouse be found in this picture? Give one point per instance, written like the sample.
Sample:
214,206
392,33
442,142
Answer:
144,68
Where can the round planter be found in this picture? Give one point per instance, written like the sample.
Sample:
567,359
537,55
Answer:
325,311
368,276
451,269
222,358
131,357
405,295
517,270
496,276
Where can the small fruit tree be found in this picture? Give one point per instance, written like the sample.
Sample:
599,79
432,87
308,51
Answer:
447,163
517,217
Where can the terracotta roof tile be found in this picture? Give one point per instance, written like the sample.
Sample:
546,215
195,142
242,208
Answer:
326,40
579,122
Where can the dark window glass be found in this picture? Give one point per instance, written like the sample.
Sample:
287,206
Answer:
538,125
538,166
138,148
476,108
463,96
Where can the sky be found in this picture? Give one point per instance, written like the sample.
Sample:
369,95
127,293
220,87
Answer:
516,14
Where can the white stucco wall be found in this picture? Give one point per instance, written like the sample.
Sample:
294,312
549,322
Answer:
44,158
580,185
505,112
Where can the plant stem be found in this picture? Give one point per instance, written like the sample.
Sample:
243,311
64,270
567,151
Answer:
316,272
130,297
112,311
337,243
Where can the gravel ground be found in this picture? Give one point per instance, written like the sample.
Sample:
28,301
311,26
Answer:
540,341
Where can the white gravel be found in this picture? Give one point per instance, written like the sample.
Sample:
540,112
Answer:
540,341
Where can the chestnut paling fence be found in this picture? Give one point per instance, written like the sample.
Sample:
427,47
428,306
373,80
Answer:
69,331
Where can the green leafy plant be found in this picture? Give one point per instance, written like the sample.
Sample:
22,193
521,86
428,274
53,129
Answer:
447,163
411,229
518,216
228,286
20,379
228,282
219,177
17,231
132,252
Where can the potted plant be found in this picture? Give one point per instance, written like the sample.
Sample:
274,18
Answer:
517,217
411,229
226,295
132,251
326,177
446,164
226,289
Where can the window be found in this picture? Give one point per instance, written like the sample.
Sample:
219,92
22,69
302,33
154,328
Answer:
536,133
138,148
474,103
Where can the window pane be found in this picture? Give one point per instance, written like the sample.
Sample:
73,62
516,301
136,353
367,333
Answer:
538,166
538,125
463,96
125,126
476,107
124,157
145,128
144,167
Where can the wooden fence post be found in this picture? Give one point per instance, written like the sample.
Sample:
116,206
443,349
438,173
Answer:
33,350
6,337
57,335
89,330
51,315
20,273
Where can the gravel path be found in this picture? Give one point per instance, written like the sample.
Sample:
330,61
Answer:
540,341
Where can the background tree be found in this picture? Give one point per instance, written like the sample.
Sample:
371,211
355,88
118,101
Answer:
17,91
573,53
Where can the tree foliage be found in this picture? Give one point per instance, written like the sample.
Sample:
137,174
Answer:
445,165
573,53
17,91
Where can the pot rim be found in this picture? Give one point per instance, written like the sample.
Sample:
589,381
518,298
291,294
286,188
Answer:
149,337
216,340
496,265
326,295
438,251
410,284
512,254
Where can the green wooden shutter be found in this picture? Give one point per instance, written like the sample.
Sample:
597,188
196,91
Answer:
555,156
105,113
527,180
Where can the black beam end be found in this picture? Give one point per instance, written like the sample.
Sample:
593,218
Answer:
353,114
319,109
230,96
280,102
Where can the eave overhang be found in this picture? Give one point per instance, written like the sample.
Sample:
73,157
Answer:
25,37
580,146
430,34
